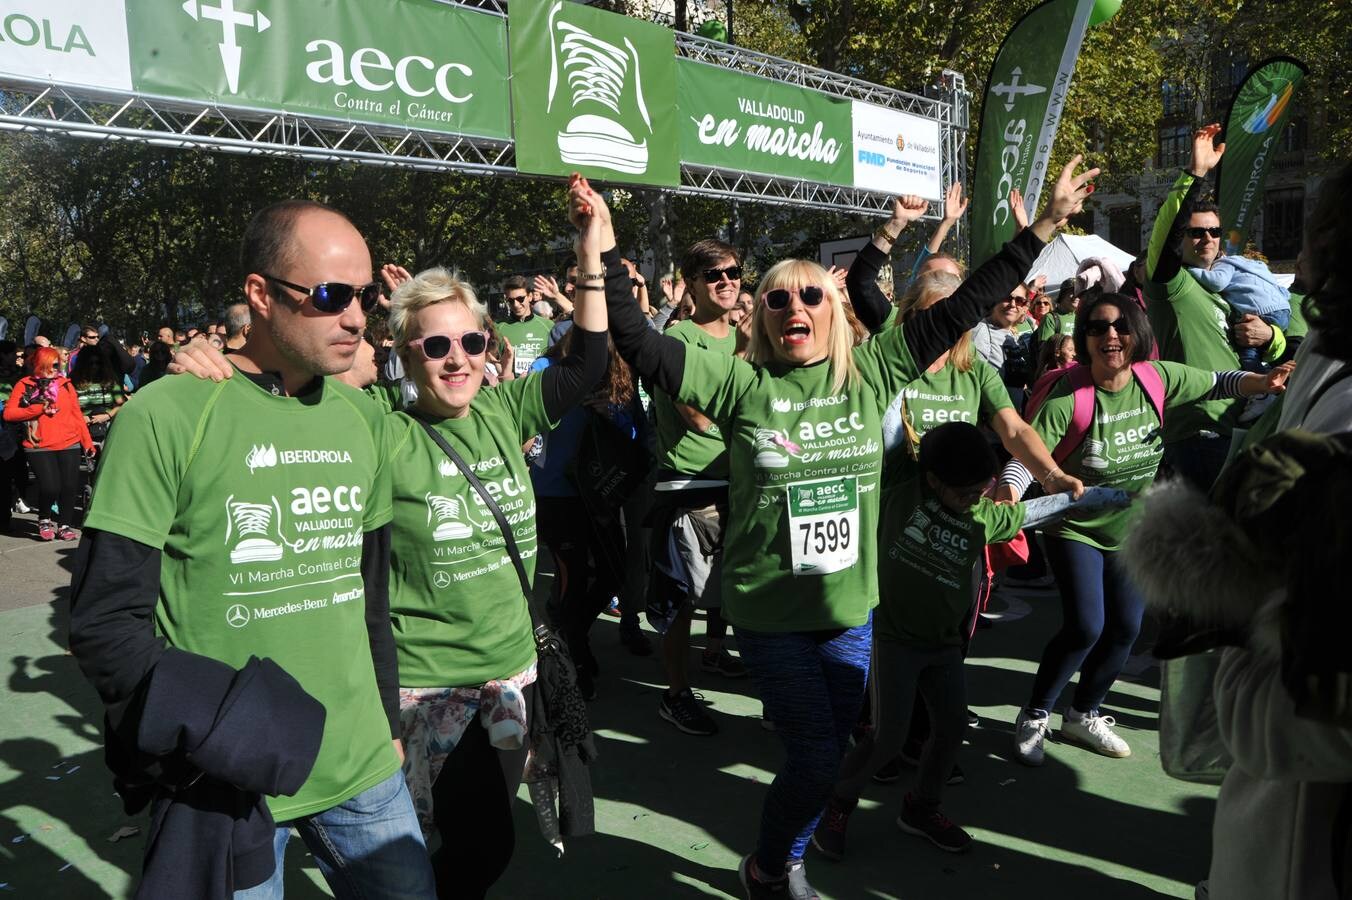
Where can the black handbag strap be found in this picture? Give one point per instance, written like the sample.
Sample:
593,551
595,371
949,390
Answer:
537,623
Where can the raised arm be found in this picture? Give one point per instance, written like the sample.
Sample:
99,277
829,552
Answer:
1162,259
932,331
861,282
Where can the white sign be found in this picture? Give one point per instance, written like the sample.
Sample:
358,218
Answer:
68,41
895,152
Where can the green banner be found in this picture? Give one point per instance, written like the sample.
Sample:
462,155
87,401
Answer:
592,92
729,120
1258,115
413,63
1025,94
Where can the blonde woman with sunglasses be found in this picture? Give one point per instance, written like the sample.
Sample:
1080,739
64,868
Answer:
802,417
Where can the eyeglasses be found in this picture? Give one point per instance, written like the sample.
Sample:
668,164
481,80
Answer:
334,296
1017,301
811,295
713,276
522,299
1099,327
1199,233
438,346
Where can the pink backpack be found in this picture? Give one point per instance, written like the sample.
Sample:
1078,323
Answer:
1082,386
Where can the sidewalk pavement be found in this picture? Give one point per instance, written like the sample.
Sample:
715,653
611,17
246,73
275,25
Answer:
674,812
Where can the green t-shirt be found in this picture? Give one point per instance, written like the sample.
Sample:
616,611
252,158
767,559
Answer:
800,542
530,339
926,555
1054,323
951,395
1122,449
259,503
455,599
96,399
1024,326
1192,326
681,449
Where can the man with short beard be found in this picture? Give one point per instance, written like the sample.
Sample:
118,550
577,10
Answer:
230,597
691,498
1191,324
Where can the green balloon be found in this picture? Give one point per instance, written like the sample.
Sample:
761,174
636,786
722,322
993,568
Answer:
715,30
1104,10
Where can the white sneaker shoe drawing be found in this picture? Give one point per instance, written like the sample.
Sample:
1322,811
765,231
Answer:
769,453
448,511
252,522
1093,733
597,74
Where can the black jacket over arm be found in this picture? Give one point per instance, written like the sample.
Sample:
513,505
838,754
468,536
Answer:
968,305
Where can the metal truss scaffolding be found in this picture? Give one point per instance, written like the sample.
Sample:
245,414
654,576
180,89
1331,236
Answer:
52,108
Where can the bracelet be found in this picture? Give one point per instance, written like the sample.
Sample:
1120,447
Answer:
1054,470
886,235
583,288
591,276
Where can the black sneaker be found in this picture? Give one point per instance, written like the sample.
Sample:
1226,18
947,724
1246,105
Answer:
956,776
829,836
636,641
930,822
721,662
889,773
792,887
686,711
973,720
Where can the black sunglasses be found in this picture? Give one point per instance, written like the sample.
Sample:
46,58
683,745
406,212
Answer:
713,276
438,346
334,296
1198,233
522,299
1099,327
811,295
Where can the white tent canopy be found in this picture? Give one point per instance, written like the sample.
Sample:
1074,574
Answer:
1059,259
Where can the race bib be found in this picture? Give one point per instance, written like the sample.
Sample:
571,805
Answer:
824,525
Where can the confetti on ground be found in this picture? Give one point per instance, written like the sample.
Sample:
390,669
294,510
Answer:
125,831
20,839
1007,781
73,771
53,777
699,845
64,868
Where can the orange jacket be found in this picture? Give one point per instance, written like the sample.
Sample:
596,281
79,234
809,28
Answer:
57,432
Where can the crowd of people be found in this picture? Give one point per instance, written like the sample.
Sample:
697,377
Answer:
364,470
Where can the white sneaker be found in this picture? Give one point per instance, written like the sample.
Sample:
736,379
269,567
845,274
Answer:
22,508
1093,733
1029,734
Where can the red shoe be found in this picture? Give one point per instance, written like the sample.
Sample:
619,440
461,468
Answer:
66,533
47,530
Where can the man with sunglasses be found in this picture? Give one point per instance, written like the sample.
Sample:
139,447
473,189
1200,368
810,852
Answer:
527,332
691,497
1192,325
248,517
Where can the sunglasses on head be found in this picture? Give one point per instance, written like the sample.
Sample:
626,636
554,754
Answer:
1199,233
1099,327
438,346
713,276
811,295
334,296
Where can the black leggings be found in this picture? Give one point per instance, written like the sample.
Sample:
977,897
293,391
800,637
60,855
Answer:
472,807
588,555
58,475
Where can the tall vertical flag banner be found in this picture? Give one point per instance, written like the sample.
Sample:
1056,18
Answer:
1258,115
592,92
1025,94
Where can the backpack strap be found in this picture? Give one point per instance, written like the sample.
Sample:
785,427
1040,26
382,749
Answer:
1148,376
1081,383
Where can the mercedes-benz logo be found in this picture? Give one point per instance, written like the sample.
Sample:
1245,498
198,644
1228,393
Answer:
237,616
441,579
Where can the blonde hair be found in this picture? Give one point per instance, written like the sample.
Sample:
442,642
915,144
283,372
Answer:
428,288
799,273
924,292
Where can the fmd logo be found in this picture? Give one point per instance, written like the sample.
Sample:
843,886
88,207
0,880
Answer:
230,19
869,158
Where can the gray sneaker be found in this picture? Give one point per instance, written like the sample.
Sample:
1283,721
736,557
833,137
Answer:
792,887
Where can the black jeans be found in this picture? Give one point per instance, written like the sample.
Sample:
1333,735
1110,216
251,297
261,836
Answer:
472,806
589,560
58,475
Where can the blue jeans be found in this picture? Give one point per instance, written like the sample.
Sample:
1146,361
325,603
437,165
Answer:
1251,358
1101,614
368,848
812,684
